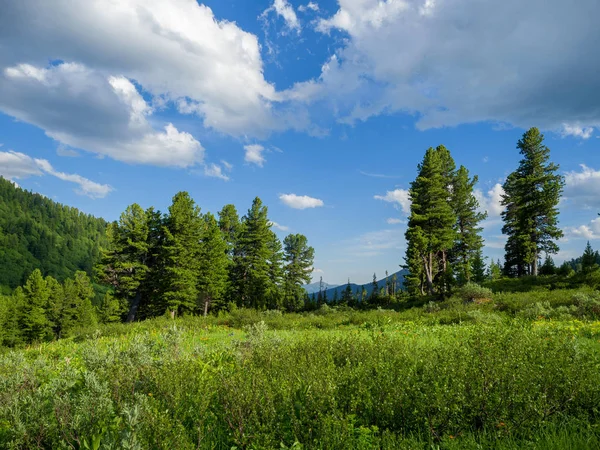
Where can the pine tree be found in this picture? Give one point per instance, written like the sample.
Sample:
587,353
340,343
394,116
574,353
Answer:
431,227
589,258
478,268
78,310
531,196
110,309
33,302
125,265
251,258
230,226
468,232
548,268
183,234
347,295
214,263
299,258
275,289
374,291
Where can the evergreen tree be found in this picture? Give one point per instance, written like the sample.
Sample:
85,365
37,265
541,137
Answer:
589,258
78,310
110,309
55,311
213,273
230,226
495,270
124,265
468,232
431,227
531,196
275,290
548,268
251,258
183,234
478,268
336,298
374,291
33,302
299,258
347,295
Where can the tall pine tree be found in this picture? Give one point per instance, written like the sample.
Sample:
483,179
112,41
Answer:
431,227
183,234
299,257
213,271
531,196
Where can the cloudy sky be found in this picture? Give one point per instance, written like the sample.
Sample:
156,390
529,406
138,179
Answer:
322,109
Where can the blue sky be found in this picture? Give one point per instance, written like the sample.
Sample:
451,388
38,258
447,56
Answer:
322,109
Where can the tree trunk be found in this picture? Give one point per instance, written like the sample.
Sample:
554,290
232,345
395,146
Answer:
534,266
429,272
206,302
134,307
173,314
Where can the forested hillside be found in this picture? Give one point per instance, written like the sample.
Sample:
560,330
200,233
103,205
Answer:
38,233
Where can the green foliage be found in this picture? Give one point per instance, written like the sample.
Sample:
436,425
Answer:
298,257
337,379
531,196
472,292
184,230
38,233
214,264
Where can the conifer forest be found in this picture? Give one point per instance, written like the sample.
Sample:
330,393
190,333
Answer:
188,329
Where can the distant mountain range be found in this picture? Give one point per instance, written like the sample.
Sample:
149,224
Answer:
331,289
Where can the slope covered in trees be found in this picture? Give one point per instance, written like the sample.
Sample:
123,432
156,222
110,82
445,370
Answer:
38,233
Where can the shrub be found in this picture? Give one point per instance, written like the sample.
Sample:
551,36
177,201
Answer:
472,292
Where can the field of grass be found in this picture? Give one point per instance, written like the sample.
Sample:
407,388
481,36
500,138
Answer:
522,371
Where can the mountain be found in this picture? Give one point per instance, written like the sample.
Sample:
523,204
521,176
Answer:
315,287
331,290
38,233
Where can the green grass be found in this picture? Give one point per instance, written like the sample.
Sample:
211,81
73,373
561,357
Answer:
445,376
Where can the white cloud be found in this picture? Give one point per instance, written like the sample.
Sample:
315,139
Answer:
312,6
106,115
284,10
583,187
228,166
279,227
254,154
214,170
399,196
394,221
18,165
63,150
177,51
590,231
577,131
491,202
460,61
300,201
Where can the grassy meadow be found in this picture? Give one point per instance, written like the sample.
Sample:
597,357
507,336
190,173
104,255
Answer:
521,371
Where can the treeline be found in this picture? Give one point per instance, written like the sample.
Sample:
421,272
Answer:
443,237
186,262
37,233
44,309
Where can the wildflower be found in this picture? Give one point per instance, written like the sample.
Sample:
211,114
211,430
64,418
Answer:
501,424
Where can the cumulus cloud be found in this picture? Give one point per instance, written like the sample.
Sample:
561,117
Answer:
216,171
590,231
491,201
177,51
310,6
84,109
286,11
453,62
583,187
300,201
279,227
15,165
254,154
577,131
399,196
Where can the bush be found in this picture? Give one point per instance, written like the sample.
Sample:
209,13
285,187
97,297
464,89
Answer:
472,292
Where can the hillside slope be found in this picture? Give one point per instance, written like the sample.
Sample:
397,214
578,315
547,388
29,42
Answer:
357,288
38,233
